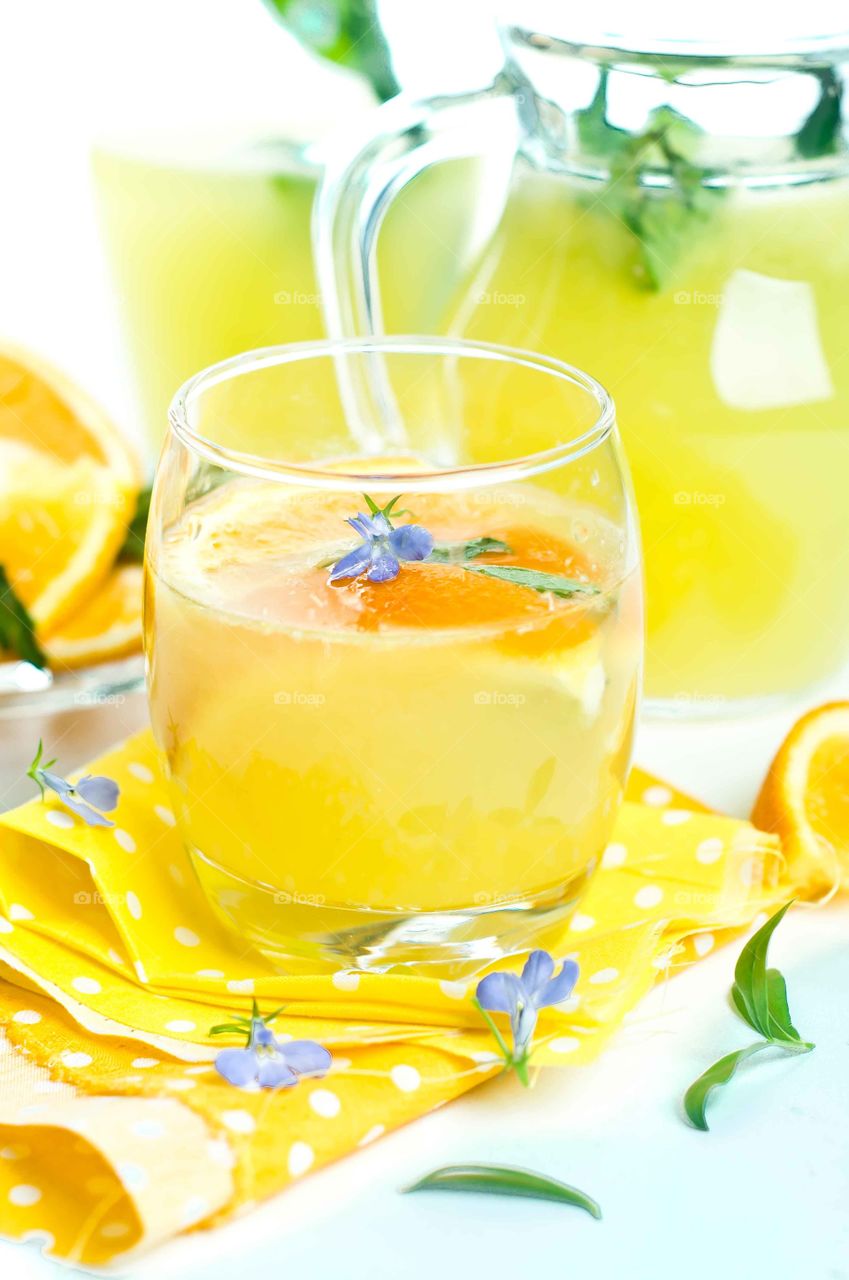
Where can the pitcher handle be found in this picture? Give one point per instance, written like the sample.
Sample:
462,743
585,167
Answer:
364,172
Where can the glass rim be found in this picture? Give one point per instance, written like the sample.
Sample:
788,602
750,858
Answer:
320,475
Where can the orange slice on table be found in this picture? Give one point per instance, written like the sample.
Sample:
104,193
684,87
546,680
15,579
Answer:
107,626
805,799
68,483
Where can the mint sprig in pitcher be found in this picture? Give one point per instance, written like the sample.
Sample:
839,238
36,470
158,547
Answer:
671,215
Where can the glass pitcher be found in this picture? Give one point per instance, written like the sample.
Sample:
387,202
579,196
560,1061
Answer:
673,217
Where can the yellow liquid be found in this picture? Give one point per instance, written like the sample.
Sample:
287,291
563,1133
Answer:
733,399
212,260
733,402
443,743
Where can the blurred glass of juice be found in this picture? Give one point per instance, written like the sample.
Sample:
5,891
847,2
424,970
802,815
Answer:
211,254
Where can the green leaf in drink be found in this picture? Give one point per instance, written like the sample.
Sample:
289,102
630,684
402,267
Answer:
457,552
662,216
696,1097
820,134
557,583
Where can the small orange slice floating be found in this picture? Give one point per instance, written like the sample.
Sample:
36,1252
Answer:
805,798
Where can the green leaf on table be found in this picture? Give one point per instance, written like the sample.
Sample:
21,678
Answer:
133,545
347,32
696,1097
17,629
759,996
779,1009
505,1180
556,583
457,552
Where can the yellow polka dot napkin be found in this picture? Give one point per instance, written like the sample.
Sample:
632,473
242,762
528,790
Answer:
115,1130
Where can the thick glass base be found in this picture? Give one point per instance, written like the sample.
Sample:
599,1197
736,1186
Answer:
309,936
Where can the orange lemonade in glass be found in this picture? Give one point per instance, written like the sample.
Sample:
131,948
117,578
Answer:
395,687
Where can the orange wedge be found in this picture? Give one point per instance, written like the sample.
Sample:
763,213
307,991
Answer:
805,798
68,482
109,624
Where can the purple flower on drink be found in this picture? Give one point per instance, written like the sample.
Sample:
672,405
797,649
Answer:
265,1061
88,798
522,996
383,546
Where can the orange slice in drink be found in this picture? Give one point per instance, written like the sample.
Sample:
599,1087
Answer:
449,596
68,482
107,626
269,551
805,798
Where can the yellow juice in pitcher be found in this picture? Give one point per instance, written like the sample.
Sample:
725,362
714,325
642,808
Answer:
731,381
352,759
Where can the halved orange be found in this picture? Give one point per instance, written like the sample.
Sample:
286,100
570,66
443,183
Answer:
805,798
108,626
68,483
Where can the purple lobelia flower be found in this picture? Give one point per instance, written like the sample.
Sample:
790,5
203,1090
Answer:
383,547
86,798
265,1061
522,996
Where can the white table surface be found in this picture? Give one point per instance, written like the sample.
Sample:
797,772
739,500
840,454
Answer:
764,1193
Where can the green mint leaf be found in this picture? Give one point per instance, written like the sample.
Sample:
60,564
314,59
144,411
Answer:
595,132
820,133
457,552
751,992
781,1025
739,1006
662,218
505,1180
556,583
133,546
17,629
696,1097
759,996
344,31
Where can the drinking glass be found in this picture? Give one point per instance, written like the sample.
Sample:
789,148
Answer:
394,647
